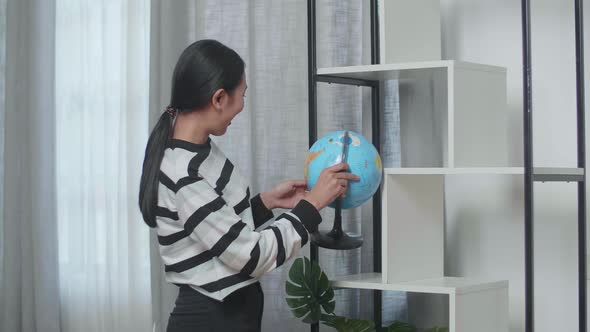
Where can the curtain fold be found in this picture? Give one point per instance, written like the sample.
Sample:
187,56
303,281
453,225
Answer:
75,254
28,286
102,65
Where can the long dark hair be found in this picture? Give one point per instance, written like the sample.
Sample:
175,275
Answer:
203,67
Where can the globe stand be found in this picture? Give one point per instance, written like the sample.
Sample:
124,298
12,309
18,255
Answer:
336,238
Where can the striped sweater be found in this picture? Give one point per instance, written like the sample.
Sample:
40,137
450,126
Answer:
206,223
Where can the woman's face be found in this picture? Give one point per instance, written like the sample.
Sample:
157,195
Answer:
232,106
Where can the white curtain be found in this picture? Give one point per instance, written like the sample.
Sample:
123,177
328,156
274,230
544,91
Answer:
102,65
74,250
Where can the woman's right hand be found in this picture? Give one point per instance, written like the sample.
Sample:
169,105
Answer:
332,183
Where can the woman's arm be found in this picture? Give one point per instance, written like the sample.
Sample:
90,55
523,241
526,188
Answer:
221,233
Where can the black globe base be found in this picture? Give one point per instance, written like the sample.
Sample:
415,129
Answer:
336,239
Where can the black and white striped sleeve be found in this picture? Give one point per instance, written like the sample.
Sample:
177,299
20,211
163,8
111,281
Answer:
260,213
215,225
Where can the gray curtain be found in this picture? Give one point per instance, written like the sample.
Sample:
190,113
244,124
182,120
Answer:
29,286
268,142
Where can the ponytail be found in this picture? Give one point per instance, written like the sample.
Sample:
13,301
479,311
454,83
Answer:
203,67
154,153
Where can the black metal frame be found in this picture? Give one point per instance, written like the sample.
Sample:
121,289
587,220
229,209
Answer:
313,79
528,167
581,131
529,170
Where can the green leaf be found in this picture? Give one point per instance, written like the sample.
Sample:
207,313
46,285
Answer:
300,312
324,282
398,326
296,272
343,324
296,302
328,294
309,291
438,329
294,290
329,307
313,316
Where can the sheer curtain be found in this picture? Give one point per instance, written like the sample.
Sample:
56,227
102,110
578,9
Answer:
101,88
29,275
74,251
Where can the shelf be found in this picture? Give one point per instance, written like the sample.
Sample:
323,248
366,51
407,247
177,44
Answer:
548,174
455,170
445,285
403,70
448,110
542,174
472,305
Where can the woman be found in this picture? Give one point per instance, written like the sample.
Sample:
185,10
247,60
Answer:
202,209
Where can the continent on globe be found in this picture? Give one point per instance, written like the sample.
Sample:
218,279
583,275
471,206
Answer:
362,158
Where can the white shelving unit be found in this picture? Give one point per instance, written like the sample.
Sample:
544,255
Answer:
413,216
449,110
540,173
472,305
413,230
409,30
453,122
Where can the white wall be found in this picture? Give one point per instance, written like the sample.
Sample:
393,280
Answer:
485,231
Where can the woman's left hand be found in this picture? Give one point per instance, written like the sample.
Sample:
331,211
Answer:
285,195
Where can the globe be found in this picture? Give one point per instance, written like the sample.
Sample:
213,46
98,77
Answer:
362,158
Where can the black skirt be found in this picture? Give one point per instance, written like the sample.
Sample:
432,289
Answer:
241,311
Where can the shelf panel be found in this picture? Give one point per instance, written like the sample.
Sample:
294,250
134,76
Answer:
548,174
445,285
402,70
455,170
543,174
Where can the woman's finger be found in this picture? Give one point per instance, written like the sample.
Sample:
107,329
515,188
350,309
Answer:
337,168
347,176
344,175
298,183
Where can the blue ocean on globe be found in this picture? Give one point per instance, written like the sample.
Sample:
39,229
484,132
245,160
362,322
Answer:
362,157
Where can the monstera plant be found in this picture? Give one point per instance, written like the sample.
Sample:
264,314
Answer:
311,297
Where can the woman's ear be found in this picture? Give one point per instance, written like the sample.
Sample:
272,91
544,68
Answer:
218,99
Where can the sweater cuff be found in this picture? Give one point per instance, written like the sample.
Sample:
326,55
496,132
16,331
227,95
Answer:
308,215
260,213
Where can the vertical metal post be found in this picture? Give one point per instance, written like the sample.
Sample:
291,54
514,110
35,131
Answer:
376,124
376,129
375,47
313,101
312,70
581,133
528,167
376,132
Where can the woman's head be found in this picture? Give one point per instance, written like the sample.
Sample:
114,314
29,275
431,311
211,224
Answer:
208,78
203,68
